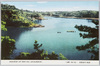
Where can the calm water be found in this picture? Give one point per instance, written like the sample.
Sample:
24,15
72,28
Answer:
64,42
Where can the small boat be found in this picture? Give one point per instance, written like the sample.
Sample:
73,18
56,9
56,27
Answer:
71,31
58,32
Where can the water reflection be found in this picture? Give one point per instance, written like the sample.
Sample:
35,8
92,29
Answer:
37,21
14,32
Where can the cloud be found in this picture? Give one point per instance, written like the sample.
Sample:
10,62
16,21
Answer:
42,2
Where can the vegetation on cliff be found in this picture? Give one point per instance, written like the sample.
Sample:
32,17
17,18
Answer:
19,18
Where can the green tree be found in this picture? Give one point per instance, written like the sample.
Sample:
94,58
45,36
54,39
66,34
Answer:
91,46
40,54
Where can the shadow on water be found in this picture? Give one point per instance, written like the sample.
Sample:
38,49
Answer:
38,21
14,32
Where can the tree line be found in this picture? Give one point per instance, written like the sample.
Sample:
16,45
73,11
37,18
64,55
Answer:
82,13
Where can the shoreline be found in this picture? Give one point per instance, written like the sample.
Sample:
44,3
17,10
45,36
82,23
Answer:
88,18
38,25
82,18
35,26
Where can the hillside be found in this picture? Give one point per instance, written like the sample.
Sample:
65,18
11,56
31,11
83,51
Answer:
15,17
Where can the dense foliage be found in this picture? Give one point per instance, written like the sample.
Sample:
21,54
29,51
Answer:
91,46
18,18
3,26
7,44
40,54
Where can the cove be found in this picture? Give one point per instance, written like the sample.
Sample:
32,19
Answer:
63,42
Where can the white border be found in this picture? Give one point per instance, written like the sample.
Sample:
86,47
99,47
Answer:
48,62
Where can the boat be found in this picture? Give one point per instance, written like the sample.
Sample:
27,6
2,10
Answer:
58,32
71,31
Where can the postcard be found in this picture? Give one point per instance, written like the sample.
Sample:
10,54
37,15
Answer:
50,32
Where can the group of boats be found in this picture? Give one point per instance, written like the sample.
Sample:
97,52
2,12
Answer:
67,31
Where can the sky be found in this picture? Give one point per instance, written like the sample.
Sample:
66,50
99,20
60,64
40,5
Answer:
56,5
